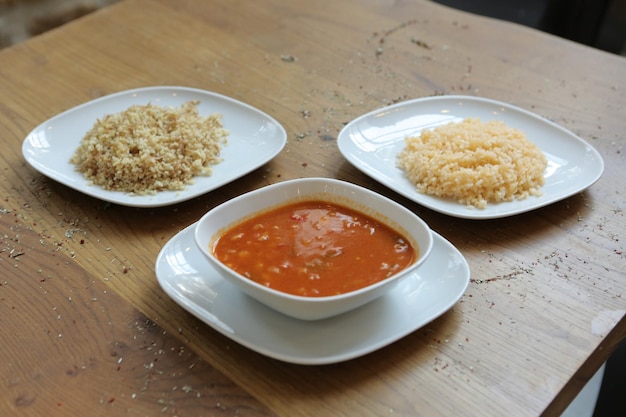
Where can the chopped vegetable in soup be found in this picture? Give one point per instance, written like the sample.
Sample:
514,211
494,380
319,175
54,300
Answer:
314,249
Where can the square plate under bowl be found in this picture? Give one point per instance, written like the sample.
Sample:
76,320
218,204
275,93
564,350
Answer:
192,282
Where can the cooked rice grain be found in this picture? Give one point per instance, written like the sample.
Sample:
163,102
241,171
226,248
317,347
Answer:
148,148
474,163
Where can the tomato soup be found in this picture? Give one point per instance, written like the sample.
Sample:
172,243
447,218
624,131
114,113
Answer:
314,249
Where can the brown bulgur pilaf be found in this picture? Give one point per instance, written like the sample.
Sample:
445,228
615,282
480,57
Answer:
147,148
474,163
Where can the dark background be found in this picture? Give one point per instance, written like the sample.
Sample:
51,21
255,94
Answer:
597,23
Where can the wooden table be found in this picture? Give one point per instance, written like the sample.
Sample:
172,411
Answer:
86,328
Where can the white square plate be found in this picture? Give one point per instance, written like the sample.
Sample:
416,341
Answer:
254,139
192,282
372,142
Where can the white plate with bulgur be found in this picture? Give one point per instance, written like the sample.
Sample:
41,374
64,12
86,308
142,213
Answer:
154,146
377,143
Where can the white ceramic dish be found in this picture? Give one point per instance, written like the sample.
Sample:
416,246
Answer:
186,276
224,216
254,139
371,143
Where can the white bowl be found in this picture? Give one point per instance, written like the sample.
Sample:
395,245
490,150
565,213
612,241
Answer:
219,219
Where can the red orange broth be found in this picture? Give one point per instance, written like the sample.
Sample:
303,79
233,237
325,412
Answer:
314,249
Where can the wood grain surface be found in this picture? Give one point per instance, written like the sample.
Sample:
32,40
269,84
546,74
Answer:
87,329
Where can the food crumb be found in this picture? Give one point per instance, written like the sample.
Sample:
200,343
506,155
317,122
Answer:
288,58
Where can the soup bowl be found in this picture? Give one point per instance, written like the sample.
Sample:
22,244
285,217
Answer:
238,210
